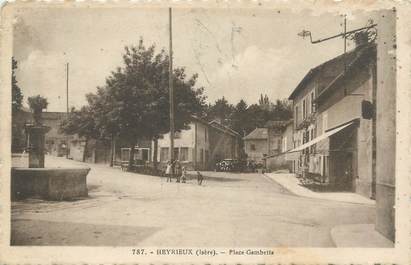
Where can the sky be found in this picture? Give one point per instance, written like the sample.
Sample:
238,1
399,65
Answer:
237,53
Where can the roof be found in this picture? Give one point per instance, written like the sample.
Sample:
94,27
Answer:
257,134
339,61
362,58
277,124
220,126
216,125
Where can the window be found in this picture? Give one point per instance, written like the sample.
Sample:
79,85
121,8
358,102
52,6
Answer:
177,135
206,156
176,153
312,102
201,155
164,154
296,115
304,109
144,155
308,106
325,121
205,134
184,154
252,147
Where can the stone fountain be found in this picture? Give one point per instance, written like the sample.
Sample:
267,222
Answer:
46,183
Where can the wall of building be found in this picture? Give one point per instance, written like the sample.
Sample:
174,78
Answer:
77,147
298,109
274,141
185,138
287,138
222,146
203,151
56,142
339,109
261,148
386,126
196,140
278,162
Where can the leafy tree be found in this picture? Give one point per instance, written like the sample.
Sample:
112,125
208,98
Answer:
134,103
240,117
16,95
220,110
16,104
282,110
82,122
264,102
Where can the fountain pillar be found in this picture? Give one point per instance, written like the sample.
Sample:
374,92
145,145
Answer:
36,144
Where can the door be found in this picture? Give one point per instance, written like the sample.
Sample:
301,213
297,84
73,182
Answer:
348,172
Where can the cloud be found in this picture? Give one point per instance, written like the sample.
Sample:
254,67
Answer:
44,74
252,72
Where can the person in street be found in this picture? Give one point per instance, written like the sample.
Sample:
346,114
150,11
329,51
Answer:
183,175
199,178
178,171
168,171
173,169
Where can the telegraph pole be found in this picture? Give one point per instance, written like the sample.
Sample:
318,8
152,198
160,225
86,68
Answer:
170,86
67,105
67,87
345,33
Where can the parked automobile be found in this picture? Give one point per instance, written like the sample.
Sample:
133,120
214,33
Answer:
230,165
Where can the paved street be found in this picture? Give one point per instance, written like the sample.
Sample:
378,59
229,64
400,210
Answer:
127,209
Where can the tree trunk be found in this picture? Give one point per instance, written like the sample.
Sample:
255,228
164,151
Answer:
85,150
112,151
155,153
131,159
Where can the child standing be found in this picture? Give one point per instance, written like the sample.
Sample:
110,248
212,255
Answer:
183,175
199,178
168,171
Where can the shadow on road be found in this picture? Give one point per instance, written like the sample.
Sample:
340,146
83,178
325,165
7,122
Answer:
46,233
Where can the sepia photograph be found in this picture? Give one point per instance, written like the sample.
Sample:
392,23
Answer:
202,131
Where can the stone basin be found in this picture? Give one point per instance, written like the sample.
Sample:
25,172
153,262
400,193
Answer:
49,183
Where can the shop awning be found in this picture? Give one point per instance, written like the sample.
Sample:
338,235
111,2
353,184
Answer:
323,136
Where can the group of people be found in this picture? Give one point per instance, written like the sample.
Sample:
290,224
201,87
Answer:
174,168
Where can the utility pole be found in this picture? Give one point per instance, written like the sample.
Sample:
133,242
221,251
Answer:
170,86
67,105
345,34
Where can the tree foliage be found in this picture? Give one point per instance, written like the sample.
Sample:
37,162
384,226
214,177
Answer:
244,118
220,110
16,94
134,102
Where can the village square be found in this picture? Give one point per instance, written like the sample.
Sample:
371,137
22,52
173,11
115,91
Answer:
198,158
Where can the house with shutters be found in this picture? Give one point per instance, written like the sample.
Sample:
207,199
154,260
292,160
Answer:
266,142
200,146
334,134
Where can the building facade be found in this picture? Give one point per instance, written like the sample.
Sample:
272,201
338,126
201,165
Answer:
280,159
256,145
200,146
331,137
56,142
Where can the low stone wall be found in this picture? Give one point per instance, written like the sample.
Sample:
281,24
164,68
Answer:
49,183
278,162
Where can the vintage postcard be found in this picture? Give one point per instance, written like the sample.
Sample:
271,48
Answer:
205,132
